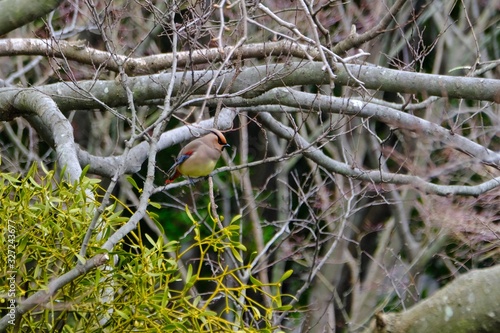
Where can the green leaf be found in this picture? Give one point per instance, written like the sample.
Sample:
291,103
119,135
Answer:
132,182
459,68
122,314
189,273
236,254
81,259
171,246
190,282
233,227
210,211
93,181
256,312
10,179
84,171
236,218
284,308
189,214
34,183
240,246
286,275
155,204
208,313
151,240
255,281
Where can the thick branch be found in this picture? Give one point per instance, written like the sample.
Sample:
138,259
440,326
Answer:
471,303
50,123
16,13
77,51
266,77
383,79
254,81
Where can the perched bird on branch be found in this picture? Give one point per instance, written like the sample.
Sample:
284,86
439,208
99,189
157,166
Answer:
199,157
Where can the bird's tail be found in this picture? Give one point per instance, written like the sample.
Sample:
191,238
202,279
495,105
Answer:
172,177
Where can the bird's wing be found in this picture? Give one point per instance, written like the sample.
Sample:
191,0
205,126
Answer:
184,154
178,161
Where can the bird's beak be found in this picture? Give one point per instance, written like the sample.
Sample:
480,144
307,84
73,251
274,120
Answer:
226,146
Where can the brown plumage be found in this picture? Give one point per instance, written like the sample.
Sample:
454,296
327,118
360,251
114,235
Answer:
199,157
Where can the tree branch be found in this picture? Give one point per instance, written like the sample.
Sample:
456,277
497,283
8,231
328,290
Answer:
78,51
471,303
289,74
16,13
49,122
260,79
334,166
355,40
394,118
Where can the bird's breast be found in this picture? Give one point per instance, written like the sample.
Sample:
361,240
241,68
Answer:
197,166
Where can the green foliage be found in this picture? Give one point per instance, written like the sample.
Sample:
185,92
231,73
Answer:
146,289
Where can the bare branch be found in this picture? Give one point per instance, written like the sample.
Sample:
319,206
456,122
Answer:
355,40
394,118
78,51
371,176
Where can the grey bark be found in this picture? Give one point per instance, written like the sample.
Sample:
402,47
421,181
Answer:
471,303
16,13
254,81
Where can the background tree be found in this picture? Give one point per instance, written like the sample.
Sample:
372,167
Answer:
364,173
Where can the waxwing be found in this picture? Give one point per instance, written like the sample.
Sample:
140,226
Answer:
199,157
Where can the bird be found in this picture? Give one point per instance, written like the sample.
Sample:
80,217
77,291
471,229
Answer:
199,157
